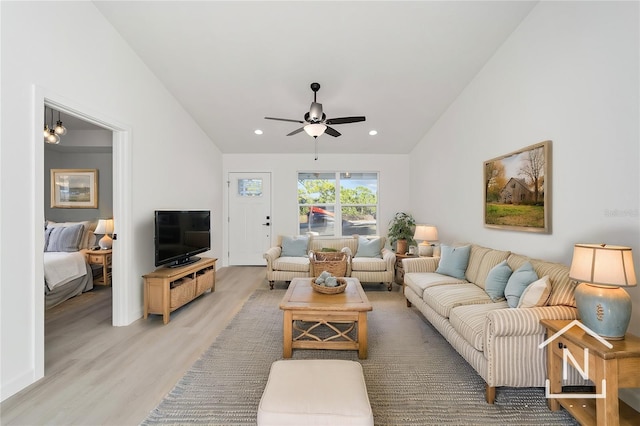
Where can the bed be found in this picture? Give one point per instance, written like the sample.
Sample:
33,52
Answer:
66,270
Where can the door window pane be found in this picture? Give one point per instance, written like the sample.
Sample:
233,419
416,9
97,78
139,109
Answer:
250,187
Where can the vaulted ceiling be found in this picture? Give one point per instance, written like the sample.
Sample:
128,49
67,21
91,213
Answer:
400,64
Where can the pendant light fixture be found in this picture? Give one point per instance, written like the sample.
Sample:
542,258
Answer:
60,129
49,132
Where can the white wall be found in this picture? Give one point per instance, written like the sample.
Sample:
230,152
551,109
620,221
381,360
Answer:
569,73
393,182
93,67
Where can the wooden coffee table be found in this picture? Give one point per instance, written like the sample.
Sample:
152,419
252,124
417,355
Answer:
324,311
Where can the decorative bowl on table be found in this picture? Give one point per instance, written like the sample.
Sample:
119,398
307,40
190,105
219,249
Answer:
342,284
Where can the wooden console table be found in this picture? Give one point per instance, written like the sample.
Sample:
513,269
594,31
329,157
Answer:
167,289
618,366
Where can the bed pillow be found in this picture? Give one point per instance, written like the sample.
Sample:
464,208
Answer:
497,281
64,238
536,294
369,247
87,233
454,261
518,282
294,246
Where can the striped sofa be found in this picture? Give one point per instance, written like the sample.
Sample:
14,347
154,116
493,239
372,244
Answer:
366,269
499,342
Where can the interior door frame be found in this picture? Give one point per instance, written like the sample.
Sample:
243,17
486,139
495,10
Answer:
122,210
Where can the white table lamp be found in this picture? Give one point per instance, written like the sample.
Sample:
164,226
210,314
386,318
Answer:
425,233
105,227
602,270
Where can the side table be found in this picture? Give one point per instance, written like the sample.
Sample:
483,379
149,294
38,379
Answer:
399,273
618,366
101,257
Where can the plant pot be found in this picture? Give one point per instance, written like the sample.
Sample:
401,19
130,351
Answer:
401,246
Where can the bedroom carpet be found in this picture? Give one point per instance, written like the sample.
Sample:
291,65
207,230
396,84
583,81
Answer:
413,375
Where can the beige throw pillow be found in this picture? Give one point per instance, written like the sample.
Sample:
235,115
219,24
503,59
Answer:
536,294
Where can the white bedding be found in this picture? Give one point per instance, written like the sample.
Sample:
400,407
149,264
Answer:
62,267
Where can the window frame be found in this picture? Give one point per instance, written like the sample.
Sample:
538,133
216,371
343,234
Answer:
337,205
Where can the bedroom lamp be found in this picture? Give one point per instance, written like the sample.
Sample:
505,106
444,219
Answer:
602,270
105,227
425,233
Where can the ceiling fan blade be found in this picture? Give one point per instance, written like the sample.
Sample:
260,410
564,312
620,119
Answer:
345,120
296,131
284,119
332,132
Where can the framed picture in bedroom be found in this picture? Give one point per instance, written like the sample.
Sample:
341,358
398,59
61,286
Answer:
517,190
74,188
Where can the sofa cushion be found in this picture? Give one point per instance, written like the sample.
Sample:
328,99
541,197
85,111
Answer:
293,264
562,288
536,294
418,281
369,248
368,264
497,281
443,298
469,321
518,281
489,260
481,260
295,246
454,261
319,243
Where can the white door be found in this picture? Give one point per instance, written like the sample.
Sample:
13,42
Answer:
249,217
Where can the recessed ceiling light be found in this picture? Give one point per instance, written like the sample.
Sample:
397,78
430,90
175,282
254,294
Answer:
373,132
257,132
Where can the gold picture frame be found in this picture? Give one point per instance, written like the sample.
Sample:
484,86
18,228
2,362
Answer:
74,188
517,190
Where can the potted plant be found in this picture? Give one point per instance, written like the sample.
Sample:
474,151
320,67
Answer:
401,229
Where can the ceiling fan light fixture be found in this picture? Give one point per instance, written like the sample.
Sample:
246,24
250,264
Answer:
315,129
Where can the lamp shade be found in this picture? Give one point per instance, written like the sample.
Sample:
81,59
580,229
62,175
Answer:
105,226
315,129
425,233
603,264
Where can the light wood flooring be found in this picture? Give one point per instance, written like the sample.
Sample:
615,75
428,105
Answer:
96,374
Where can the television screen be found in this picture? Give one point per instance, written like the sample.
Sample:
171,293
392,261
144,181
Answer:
181,234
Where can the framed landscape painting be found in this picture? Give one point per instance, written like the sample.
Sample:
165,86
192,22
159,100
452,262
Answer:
74,188
517,190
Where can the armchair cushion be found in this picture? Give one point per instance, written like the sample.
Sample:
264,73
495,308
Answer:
369,247
295,246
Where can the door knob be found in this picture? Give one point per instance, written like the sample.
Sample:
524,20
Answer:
266,224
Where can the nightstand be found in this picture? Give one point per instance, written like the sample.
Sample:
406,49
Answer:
101,257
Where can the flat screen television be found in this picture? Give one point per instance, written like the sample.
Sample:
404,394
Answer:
180,235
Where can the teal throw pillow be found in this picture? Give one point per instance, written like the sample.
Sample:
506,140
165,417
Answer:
497,281
369,247
294,246
453,261
518,282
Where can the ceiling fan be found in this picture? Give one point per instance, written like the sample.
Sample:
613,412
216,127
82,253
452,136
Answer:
316,121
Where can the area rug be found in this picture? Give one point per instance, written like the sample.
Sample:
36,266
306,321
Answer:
413,376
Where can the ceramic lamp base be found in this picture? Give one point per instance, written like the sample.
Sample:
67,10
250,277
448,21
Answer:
425,249
105,242
605,310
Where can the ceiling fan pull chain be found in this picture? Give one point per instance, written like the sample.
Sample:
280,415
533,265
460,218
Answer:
316,143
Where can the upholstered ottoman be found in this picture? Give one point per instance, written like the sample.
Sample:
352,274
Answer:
315,392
